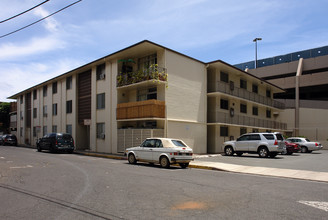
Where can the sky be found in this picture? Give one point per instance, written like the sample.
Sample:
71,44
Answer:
206,30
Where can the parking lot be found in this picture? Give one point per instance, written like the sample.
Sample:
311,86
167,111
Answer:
315,161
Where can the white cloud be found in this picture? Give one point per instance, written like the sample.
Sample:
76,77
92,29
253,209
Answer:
50,23
11,51
20,77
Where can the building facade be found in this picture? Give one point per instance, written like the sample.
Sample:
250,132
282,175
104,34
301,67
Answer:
147,90
304,77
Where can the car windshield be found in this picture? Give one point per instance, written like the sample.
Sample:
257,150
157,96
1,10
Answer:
64,137
280,137
178,143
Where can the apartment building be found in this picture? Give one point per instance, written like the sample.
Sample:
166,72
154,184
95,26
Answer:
239,103
304,77
147,90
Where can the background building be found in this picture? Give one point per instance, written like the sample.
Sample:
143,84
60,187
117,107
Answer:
147,90
304,76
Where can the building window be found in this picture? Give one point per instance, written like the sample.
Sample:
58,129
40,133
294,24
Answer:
101,101
21,99
268,113
268,93
69,129
243,131
255,110
243,108
255,88
45,111
34,131
243,84
45,130
35,112
21,132
54,128
21,115
224,77
54,109
69,106
69,82
224,104
54,88
145,62
224,131
101,71
101,130
147,94
35,94
45,91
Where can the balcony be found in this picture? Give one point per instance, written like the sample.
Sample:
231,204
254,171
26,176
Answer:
242,120
154,73
143,109
244,94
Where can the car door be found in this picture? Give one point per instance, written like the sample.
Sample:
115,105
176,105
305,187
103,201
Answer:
146,152
253,142
43,142
157,150
242,143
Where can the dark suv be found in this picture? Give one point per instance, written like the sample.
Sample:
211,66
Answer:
56,142
9,139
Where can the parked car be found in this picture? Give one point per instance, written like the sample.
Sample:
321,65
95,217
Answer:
1,140
9,139
264,144
306,145
164,151
56,142
291,148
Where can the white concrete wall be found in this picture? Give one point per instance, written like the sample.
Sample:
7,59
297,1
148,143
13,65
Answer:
186,100
313,123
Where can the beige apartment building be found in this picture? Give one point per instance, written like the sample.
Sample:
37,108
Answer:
147,90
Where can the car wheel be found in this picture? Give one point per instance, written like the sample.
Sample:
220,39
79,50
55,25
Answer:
304,149
263,152
290,153
132,159
70,151
273,154
239,154
309,151
228,151
39,148
184,165
164,162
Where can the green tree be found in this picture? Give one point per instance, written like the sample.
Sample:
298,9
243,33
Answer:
4,116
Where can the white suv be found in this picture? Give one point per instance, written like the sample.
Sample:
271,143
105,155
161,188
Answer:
264,144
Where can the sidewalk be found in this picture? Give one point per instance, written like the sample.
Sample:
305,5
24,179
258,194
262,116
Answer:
265,171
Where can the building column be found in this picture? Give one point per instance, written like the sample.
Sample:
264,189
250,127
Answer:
297,96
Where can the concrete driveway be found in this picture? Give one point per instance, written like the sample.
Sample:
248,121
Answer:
315,161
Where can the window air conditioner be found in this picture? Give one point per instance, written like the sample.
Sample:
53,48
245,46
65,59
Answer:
102,76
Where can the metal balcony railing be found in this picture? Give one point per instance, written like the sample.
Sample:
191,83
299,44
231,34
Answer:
242,120
154,72
229,89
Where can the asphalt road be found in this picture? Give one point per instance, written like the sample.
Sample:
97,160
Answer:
315,161
68,186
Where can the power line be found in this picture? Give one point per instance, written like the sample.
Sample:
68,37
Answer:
23,12
40,19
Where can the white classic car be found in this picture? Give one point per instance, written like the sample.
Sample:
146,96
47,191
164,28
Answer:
164,151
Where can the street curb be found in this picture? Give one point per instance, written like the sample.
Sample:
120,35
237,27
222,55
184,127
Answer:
116,157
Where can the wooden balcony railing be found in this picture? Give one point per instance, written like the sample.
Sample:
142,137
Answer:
143,109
